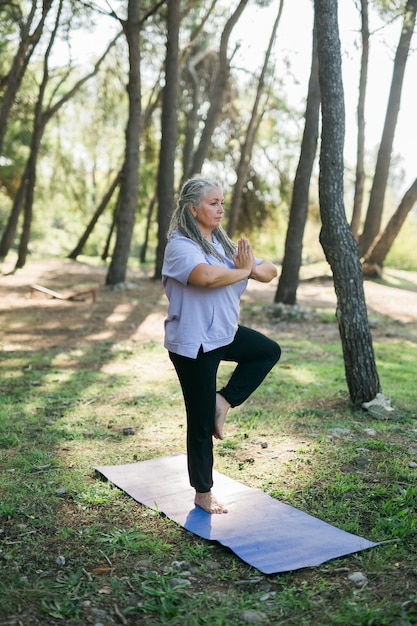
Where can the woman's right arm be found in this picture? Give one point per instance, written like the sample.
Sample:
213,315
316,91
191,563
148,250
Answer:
205,275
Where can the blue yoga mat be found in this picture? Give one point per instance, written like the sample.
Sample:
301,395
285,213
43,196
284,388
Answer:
265,533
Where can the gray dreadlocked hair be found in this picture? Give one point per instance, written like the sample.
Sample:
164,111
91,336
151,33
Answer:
193,192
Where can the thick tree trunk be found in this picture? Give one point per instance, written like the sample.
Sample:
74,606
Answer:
379,185
336,237
376,255
360,152
169,124
289,278
249,141
129,189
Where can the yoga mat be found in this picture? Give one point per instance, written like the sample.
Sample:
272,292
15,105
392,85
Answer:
271,536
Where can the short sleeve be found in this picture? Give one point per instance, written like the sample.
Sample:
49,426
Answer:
182,255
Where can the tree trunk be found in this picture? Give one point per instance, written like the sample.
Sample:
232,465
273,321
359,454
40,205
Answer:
248,143
130,176
376,255
27,45
169,125
97,214
106,250
336,237
11,226
288,281
39,124
379,185
144,247
218,96
360,152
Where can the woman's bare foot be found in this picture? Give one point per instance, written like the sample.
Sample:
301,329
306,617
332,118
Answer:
222,406
208,502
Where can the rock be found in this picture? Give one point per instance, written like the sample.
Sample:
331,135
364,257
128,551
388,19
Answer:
358,578
361,461
250,616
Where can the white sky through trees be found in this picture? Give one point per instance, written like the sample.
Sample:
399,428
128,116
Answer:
293,42
293,50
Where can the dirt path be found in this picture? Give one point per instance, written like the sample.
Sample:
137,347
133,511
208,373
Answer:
137,312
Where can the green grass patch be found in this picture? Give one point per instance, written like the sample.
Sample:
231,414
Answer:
75,549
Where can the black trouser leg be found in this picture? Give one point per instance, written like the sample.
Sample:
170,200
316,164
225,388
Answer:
255,355
198,382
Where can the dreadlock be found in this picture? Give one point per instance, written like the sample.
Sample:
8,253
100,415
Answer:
192,192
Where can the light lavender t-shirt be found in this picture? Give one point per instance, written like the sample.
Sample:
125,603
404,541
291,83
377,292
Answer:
197,316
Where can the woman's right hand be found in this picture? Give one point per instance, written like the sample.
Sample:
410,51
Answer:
243,258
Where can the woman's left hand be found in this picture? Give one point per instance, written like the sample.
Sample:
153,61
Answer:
244,258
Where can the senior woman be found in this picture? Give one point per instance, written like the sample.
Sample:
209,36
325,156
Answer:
204,276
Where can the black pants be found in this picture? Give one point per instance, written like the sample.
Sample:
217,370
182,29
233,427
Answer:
255,355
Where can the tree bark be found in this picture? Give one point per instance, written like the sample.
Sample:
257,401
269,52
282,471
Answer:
289,278
375,257
130,174
379,185
169,125
336,238
360,152
249,140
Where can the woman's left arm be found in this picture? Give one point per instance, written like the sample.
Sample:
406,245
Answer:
264,272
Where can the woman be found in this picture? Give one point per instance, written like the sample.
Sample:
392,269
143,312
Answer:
204,275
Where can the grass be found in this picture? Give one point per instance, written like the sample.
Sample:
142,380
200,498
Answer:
76,550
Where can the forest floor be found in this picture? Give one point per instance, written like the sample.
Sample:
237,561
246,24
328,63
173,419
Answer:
137,310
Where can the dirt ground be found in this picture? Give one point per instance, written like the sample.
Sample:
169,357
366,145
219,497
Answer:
30,319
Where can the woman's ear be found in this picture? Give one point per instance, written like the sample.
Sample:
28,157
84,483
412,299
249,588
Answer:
192,209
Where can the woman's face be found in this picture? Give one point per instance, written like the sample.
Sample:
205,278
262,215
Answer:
210,212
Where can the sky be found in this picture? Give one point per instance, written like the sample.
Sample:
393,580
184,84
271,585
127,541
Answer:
294,41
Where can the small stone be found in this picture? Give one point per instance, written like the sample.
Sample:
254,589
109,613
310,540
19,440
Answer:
128,431
180,565
250,616
358,578
60,560
180,582
361,461
264,444
412,465
338,432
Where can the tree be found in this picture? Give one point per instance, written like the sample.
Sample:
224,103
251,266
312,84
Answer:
30,34
129,188
288,281
374,259
336,238
379,184
360,151
250,136
169,124
25,195
98,212
219,92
